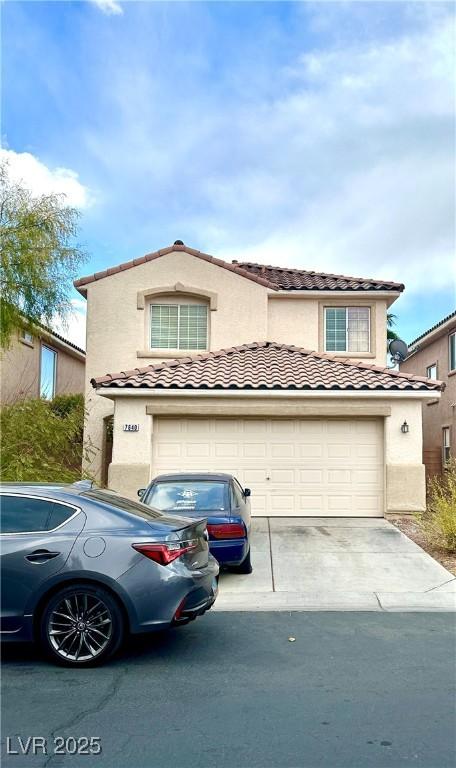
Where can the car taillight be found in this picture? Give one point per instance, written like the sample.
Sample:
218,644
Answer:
166,553
226,531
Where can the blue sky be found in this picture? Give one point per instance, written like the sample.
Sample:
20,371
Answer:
315,135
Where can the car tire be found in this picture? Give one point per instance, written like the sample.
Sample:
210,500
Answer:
245,566
82,625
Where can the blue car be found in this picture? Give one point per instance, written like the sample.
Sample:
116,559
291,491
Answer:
217,497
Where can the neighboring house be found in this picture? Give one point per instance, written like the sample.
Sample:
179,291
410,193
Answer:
433,354
208,367
40,364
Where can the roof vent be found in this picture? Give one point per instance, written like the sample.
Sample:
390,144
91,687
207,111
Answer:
235,261
178,242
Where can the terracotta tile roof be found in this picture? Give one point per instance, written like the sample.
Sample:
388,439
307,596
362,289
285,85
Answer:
266,365
275,278
302,280
83,281
433,328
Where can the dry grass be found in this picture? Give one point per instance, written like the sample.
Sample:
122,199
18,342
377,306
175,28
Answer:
435,529
410,525
439,521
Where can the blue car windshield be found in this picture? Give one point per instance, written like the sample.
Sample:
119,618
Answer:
189,496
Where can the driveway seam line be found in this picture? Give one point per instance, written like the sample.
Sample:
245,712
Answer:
270,555
440,585
379,603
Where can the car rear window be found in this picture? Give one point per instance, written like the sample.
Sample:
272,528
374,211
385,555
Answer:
126,505
189,496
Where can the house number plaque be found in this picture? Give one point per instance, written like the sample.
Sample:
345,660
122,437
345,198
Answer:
131,427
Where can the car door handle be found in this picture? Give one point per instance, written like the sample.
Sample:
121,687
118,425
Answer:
41,556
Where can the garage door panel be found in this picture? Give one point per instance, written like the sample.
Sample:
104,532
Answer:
343,476
227,449
299,467
310,476
339,504
254,450
339,450
254,477
282,502
310,506
167,450
283,450
310,450
255,428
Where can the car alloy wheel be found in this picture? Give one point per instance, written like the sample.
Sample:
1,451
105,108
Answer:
82,626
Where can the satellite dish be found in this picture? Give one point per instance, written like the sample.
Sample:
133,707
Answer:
398,350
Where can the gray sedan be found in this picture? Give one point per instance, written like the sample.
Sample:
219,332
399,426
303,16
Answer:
82,567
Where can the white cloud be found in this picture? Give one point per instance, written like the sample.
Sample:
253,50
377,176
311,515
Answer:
74,326
353,171
336,158
110,7
41,180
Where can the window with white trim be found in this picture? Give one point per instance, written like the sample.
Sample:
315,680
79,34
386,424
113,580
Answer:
347,329
452,352
26,336
431,371
178,326
48,372
445,445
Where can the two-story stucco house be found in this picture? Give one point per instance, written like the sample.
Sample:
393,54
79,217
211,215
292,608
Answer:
275,375
433,354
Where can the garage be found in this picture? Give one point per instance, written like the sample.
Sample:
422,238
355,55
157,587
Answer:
295,467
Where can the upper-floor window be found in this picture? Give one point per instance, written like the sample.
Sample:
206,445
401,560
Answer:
452,351
48,371
445,445
26,336
178,326
347,329
431,371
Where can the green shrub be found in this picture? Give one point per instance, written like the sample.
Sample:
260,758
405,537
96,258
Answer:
439,520
42,441
63,405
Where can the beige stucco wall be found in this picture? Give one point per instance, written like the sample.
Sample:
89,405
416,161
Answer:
242,311
295,319
116,328
404,471
20,370
441,412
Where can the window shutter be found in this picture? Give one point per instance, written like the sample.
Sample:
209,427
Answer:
336,329
193,327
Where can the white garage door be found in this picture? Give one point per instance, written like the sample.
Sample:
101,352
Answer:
295,467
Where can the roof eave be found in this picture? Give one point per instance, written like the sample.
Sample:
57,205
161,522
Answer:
417,394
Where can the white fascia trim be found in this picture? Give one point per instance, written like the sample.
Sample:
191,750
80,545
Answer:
113,392
355,295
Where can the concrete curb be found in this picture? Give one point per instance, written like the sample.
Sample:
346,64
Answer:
343,601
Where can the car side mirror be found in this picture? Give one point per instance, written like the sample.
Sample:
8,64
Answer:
141,492
247,492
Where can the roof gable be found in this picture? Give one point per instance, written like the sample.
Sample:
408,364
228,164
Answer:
84,281
266,366
274,278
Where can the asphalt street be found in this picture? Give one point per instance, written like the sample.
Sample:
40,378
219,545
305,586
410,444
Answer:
231,690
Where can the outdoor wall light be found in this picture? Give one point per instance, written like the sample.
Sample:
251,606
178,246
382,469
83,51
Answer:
404,428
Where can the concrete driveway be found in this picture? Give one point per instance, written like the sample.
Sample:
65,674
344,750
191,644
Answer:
336,564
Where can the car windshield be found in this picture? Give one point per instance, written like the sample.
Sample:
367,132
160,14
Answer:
188,496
